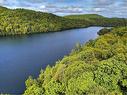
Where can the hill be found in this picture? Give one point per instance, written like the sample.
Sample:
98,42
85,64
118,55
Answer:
97,68
98,20
84,16
23,21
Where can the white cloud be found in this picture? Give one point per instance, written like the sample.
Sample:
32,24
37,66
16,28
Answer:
106,7
42,7
97,9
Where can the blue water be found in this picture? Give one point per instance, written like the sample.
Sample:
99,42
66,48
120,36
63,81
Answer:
25,55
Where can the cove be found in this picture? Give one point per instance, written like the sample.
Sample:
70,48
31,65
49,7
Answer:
23,56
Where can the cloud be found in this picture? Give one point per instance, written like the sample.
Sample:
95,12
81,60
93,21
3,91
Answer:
104,7
36,1
62,9
69,10
103,3
97,9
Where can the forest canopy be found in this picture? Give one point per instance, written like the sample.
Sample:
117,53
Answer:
23,21
98,67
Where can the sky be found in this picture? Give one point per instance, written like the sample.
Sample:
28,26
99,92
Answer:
110,8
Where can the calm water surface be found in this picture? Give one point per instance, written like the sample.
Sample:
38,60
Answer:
26,55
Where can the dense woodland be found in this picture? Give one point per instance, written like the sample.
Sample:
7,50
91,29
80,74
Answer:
97,68
23,21
98,20
104,31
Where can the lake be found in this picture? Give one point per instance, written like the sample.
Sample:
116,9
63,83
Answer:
22,56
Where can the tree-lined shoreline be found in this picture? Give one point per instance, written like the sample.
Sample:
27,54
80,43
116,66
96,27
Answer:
98,67
24,21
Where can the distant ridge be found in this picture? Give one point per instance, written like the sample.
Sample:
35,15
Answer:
24,21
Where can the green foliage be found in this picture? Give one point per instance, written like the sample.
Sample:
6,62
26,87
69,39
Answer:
98,20
22,21
104,31
34,90
97,68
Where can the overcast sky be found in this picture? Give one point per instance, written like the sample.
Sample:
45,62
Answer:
111,8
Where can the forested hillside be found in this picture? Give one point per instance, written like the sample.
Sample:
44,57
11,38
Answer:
97,68
23,21
98,20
